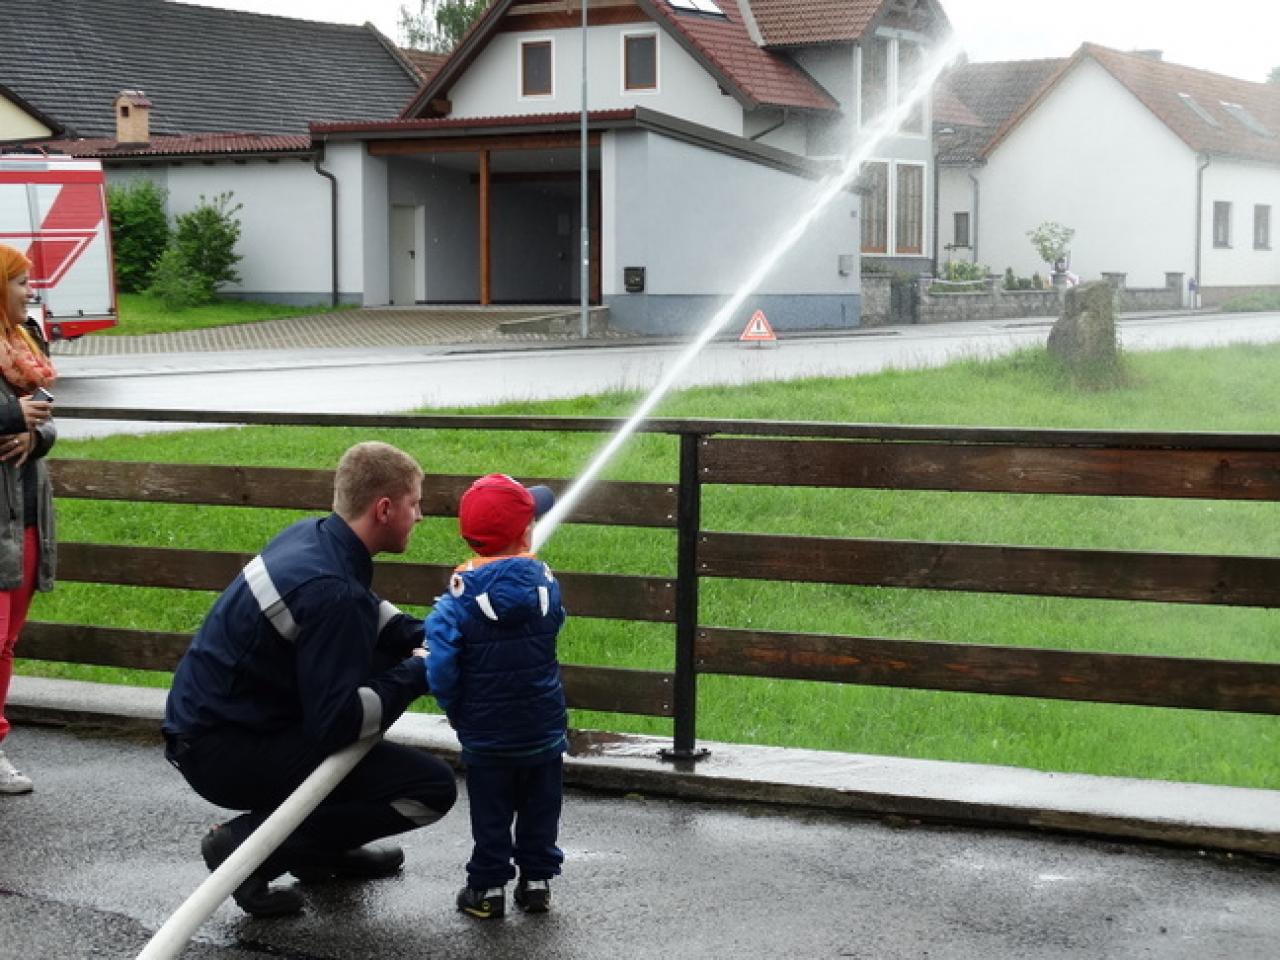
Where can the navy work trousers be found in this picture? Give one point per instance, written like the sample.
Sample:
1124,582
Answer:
529,797
391,790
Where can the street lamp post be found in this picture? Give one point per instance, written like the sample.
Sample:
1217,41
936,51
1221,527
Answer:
584,279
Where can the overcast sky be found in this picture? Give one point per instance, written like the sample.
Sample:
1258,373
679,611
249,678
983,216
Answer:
1240,38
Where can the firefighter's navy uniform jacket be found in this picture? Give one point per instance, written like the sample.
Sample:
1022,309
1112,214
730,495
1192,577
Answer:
297,659
298,638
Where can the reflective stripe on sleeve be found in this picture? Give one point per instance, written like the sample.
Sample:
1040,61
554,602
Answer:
386,611
269,600
371,708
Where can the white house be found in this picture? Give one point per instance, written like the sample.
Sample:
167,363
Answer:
1159,169
710,122
214,101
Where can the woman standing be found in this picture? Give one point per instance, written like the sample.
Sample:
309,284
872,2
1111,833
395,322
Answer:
27,553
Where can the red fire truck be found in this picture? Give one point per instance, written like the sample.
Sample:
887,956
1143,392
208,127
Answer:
54,209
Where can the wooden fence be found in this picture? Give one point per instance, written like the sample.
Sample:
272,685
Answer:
1078,463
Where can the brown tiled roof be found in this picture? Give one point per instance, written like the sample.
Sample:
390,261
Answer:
759,76
458,123
1158,85
974,100
195,145
424,61
797,22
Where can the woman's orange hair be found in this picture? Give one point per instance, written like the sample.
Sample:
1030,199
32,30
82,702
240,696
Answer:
13,263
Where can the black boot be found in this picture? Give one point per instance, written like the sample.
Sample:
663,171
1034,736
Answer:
362,863
255,896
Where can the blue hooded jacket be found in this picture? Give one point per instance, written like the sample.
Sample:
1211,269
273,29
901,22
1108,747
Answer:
491,658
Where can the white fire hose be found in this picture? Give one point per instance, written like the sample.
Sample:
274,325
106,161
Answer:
177,931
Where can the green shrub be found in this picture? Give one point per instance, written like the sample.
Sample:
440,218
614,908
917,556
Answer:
139,232
960,271
175,284
206,238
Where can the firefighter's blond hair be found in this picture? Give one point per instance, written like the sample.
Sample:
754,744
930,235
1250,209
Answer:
369,471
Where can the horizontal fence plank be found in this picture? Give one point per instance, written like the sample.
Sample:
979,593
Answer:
1042,571
615,690
602,595
1245,687
103,646
1127,439
611,596
624,504
606,689
1206,474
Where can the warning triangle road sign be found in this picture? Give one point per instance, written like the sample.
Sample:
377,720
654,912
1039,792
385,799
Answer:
757,329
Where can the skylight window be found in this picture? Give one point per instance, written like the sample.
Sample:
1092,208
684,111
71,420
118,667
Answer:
697,6
1247,119
1198,110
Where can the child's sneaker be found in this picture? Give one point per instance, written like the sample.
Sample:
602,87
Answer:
533,896
488,904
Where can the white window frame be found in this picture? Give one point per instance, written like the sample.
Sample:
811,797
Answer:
531,97
891,210
622,63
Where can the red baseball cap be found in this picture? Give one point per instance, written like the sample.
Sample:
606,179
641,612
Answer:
496,509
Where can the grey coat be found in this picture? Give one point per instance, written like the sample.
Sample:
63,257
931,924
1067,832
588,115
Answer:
11,421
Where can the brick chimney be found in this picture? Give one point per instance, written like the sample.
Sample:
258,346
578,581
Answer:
133,118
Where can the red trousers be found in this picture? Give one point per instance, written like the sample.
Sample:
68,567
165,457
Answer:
14,605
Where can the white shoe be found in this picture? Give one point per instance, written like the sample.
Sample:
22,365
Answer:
13,780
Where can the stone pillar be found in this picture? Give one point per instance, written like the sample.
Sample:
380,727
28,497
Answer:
1117,280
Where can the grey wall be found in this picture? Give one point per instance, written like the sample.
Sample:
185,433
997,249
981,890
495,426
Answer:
452,235
700,221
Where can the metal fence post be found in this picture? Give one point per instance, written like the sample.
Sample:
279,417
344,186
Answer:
688,522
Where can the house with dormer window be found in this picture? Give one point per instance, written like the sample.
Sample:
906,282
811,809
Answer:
710,124
1160,169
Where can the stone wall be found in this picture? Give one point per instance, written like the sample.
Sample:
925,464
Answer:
877,294
996,303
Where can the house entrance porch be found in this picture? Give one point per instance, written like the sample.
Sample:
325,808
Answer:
490,220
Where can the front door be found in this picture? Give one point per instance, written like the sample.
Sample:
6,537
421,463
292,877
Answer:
404,256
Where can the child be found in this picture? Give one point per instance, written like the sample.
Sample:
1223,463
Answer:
491,664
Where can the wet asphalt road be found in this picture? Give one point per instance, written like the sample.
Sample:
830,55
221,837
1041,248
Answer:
94,861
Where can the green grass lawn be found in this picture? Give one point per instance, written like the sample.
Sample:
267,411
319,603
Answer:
1226,389
141,314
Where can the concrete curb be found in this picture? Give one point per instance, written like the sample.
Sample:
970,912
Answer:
1184,814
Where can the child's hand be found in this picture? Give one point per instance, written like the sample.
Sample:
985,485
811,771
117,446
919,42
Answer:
418,652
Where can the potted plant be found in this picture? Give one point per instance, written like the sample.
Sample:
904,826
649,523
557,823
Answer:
1053,242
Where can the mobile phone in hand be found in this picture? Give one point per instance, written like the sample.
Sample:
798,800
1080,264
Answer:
40,393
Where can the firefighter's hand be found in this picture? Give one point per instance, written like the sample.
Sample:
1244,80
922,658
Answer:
35,412
15,448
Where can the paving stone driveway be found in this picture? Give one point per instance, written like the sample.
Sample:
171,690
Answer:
366,327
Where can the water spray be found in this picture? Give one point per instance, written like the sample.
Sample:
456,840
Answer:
179,928
889,123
